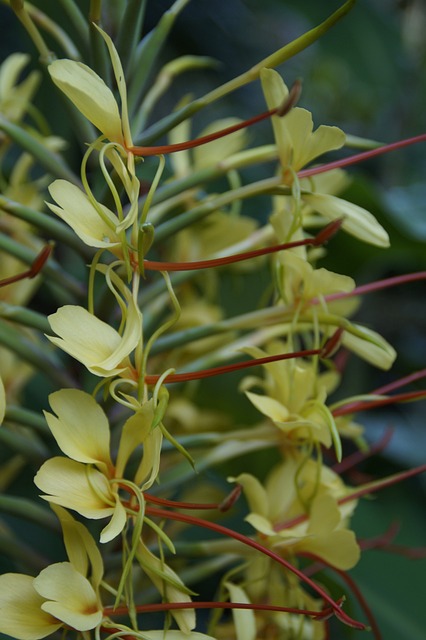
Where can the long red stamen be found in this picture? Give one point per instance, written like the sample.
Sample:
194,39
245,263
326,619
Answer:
280,111
355,407
360,157
216,371
375,286
168,606
323,236
359,493
35,268
213,526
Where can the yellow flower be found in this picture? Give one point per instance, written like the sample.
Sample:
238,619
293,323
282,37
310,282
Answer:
295,397
62,594
298,145
323,532
92,97
75,208
88,481
2,401
93,342
15,98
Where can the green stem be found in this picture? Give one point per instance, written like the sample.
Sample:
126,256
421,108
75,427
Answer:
26,418
205,208
148,51
29,510
25,444
51,161
76,18
275,59
129,32
55,229
25,317
35,354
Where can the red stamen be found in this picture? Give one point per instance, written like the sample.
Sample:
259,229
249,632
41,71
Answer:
360,157
413,377
168,606
280,111
216,371
188,519
319,239
35,268
375,286
378,485
179,505
355,407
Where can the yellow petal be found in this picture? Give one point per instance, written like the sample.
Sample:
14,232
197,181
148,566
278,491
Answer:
116,525
70,596
135,431
89,93
371,347
91,341
75,208
357,221
244,619
256,495
269,407
81,548
81,427
73,486
169,585
2,401
21,615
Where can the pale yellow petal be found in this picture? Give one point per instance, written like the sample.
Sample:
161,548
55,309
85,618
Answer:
75,208
370,346
2,401
121,84
244,619
81,427
255,494
81,548
357,221
269,407
261,524
135,431
73,486
70,596
116,525
88,339
169,585
90,95
276,92
21,615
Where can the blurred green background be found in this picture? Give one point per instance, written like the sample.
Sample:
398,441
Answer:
368,76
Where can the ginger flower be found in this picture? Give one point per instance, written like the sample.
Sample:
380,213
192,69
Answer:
298,145
75,208
65,594
15,98
294,398
93,98
320,523
93,342
87,481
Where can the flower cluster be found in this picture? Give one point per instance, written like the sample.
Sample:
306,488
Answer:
125,348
